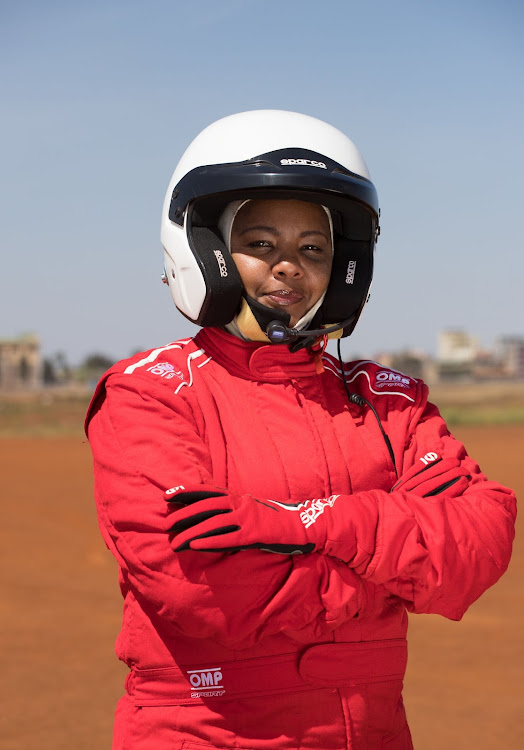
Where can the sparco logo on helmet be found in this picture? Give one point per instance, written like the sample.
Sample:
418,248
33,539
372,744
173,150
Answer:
221,263
350,273
302,163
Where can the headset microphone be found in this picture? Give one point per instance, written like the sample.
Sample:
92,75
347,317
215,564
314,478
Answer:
278,333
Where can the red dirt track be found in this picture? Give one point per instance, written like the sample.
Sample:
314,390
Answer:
61,610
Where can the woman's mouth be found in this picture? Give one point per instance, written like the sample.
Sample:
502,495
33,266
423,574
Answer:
283,297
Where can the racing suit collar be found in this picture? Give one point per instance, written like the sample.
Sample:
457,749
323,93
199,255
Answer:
253,360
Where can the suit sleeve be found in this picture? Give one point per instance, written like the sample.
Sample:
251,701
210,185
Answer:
143,444
440,553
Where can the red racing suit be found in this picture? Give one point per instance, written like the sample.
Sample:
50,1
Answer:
259,651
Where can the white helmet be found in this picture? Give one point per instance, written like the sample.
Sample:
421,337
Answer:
267,154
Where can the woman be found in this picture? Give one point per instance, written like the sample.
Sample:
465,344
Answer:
248,439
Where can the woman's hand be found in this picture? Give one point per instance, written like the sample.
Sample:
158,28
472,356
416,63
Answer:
212,520
435,476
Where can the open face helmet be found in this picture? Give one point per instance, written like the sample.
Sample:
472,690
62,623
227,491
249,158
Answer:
267,154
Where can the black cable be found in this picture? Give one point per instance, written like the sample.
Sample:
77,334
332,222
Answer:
355,398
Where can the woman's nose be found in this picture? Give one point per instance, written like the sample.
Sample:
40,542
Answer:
287,267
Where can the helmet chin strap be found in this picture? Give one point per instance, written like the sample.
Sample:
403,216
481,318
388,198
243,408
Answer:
254,318
248,325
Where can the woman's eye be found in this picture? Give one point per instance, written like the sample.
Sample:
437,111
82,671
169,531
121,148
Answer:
260,243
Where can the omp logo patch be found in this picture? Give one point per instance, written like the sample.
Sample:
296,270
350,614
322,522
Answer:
206,683
165,370
386,378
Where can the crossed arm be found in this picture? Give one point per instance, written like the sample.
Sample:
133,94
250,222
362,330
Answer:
437,540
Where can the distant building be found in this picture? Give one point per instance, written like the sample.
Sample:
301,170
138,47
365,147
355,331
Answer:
20,363
510,353
456,354
488,366
457,347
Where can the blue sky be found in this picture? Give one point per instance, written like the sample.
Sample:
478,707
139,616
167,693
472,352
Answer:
100,99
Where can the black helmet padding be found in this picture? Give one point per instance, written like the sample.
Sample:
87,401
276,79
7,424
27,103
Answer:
223,282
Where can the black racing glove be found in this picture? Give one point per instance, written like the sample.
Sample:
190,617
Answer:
434,475
213,520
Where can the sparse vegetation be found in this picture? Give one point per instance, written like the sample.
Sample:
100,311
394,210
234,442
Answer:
47,413
480,403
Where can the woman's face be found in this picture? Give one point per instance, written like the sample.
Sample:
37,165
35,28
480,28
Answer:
282,249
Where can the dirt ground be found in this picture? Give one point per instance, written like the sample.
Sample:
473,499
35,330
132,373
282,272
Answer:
60,613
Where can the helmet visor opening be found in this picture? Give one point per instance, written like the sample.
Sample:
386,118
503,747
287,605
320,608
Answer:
351,219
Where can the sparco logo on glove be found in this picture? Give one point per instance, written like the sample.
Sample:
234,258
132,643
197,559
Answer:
315,509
